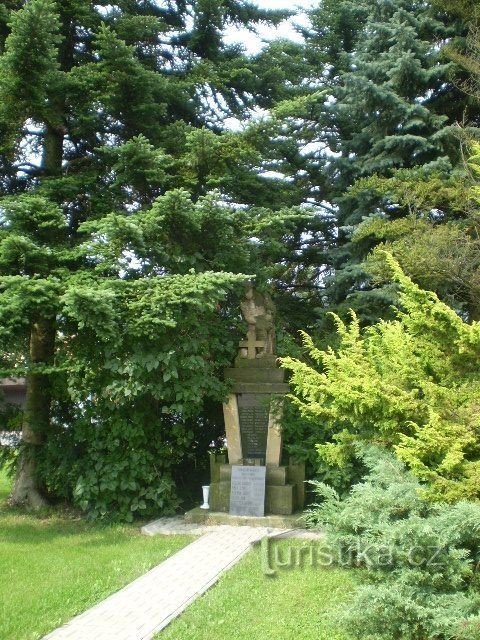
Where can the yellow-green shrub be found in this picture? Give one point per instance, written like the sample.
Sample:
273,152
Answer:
411,385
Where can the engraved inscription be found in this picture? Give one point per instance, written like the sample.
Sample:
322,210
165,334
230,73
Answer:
247,495
253,413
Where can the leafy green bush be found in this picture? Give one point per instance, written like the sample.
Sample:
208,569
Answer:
411,385
143,359
420,558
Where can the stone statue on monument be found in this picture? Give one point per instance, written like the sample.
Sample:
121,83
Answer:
258,310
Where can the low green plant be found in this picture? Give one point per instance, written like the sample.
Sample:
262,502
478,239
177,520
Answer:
301,434
420,557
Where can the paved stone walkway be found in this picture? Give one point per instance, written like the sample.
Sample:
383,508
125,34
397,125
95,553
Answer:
148,604
177,525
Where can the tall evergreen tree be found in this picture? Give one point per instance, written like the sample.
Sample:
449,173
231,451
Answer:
105,109
437,243
389,110
378,96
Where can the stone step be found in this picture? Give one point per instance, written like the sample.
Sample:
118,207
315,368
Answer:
207,517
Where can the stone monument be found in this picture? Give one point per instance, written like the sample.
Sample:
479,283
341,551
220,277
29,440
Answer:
252,415
14,390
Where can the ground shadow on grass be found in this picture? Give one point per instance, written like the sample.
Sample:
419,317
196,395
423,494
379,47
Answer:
15,530
21,526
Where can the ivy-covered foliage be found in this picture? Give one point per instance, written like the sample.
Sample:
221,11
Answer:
411,385
420,560
142,358
136,357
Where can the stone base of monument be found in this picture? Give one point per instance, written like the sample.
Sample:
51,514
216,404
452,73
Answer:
200,516
284,490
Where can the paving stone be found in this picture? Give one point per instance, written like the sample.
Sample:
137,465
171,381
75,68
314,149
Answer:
150,603
177,525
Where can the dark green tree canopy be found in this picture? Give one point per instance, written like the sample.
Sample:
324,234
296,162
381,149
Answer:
379,94
122,235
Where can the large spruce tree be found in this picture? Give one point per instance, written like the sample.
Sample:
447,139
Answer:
437,241
105,111
379,94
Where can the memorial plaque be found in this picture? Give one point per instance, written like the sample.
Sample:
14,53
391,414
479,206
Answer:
253,414
247,494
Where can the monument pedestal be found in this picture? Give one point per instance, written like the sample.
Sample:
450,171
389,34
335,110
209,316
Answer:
252,415
284,493
202,516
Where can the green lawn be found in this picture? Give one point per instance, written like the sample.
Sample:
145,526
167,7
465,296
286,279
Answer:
247,604
54,567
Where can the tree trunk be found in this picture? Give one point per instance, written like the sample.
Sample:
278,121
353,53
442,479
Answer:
36,417
53,150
